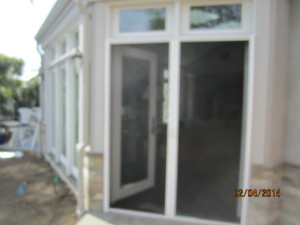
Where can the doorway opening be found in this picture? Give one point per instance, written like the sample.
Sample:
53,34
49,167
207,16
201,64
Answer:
209,166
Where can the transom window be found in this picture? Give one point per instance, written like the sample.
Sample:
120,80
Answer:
141,20
215,17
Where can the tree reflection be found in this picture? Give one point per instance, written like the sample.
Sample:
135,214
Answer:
221,16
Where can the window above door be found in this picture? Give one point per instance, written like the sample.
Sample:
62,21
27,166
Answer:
194,18
144,19
220,16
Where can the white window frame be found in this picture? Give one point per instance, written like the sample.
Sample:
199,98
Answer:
55,65
115,20
174,40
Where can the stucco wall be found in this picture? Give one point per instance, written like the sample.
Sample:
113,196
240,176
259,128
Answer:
292,139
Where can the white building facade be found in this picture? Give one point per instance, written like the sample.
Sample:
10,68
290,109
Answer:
167,109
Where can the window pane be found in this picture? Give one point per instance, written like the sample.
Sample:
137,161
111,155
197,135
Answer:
76,39
76,109
142,20
135,126
53,111
210,129
215,17
64,111
52,54
63,47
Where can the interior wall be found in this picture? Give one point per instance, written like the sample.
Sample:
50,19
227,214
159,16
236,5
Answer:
292,131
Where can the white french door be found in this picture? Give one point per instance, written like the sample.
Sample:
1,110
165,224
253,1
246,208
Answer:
133,110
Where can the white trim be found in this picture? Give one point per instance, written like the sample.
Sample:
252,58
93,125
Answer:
187,38
107,145
66,20
249,109
164,218
172,140
62,58
173,120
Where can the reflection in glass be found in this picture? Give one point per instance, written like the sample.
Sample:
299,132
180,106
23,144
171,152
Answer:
140,20
215,17
210,129
135,125
139,102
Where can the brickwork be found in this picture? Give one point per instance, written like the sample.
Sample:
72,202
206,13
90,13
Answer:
95,182
265,210
290,201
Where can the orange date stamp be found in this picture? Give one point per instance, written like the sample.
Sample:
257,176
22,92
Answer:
264,193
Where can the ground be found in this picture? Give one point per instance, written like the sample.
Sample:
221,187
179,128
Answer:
41,203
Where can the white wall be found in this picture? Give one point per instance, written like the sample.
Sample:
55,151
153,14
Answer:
292,138
270,76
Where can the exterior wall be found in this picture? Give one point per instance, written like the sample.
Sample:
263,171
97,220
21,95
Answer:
97,82
292,131
270,30
270,69
290,202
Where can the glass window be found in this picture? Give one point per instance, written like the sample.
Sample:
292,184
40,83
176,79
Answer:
76,39
64,111
76,110
52,54
53,106
63,47
215,17
140,20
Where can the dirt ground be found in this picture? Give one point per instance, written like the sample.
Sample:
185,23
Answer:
40,204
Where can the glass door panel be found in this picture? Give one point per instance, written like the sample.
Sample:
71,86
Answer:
210,129
139,76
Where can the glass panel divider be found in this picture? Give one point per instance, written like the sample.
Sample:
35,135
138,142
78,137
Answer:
172,141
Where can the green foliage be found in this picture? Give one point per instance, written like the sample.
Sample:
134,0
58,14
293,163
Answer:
158,21
29,96
10,66
15,93
9,85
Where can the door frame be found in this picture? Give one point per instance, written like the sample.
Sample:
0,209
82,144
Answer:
174,41
119,192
